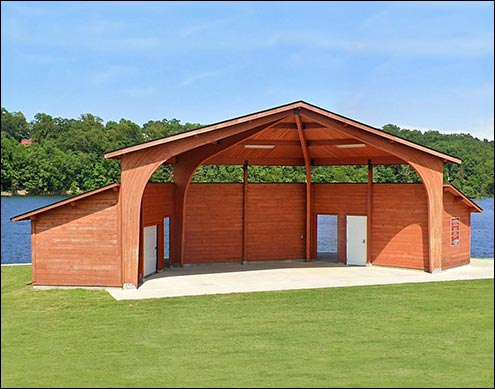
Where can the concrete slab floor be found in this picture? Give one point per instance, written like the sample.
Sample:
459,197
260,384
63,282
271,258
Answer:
286,275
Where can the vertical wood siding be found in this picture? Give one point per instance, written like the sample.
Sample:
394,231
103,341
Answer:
78,246
455,255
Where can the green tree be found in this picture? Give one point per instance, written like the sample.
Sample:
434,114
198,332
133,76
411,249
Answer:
15,124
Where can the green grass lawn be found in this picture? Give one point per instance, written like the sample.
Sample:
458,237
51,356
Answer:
412,335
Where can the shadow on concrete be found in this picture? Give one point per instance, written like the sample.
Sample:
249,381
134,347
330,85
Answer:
230,267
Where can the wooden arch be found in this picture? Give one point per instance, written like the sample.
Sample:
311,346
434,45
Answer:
193,148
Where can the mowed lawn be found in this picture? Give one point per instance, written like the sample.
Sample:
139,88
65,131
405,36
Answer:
411,335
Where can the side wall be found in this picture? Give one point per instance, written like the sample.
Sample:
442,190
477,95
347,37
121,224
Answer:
78,245
461,254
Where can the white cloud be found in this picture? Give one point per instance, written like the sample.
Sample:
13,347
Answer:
455,46
195,29
111,74
193,78
139,92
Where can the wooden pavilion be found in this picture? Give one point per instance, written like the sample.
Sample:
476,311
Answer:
114,236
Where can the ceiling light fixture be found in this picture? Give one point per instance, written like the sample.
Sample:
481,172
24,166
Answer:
351,146
259,146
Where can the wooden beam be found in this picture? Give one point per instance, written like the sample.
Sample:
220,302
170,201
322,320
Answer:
307,164
377,138
207,134
369,212
138,167
293,126
357,161
332,142
432,177
427,163
276,142
244,211
265,161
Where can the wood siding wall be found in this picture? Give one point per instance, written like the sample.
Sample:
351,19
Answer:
399,235
399,232
455,255
276,217
340,200
78,246
158,203
276,221
214,221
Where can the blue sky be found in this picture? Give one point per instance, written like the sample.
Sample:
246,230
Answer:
423,65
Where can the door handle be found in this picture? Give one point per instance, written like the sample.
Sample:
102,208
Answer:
364,241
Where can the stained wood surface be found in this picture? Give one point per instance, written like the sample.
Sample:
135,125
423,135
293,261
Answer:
400,226
81,245
213,227
78,246
461,254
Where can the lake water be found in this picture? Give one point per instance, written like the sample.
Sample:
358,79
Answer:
16,237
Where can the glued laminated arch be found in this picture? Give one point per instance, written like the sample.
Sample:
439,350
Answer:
138,167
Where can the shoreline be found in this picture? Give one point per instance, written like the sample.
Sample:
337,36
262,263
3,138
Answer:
24,192
30,263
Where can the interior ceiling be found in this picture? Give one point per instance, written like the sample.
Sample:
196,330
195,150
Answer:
280,145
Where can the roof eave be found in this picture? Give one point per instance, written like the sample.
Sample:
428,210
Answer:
34,212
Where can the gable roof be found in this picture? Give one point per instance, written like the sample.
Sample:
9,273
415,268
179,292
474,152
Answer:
246,119
466,200
34,212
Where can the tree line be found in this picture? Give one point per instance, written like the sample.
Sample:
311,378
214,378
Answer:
66,157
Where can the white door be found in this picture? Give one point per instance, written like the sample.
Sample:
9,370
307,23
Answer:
356,240
150,250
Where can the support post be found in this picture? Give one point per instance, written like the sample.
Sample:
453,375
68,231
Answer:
369,212
134,177
307,164
432,176
244,211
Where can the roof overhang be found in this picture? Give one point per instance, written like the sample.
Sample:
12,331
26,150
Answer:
71,200
462,197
